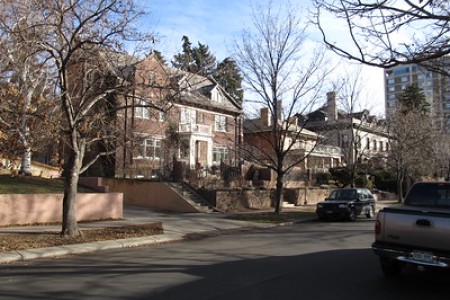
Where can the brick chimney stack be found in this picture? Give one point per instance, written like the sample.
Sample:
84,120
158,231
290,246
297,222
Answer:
332,106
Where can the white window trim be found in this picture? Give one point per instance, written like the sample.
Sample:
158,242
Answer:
147,143
223,153
188,115
220,123
142,112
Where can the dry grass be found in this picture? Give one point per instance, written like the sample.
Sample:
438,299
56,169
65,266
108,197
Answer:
29,240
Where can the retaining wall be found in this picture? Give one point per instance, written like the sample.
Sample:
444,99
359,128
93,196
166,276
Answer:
23,209
157,195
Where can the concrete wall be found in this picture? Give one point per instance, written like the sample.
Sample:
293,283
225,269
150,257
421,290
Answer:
157,195
23,209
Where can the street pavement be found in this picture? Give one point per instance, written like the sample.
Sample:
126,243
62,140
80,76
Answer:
177,227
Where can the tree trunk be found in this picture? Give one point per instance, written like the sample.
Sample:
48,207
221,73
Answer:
25,166
279,195
69,221
400,178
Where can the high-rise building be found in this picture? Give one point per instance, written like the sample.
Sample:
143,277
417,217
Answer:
436,88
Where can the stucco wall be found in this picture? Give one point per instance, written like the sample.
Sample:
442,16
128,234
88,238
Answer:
21,209
157,195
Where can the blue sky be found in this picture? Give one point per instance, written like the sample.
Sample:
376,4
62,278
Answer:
217,23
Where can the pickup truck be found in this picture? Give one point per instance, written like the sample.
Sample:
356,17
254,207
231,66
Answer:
416,232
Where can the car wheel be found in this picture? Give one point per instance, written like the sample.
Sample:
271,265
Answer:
322,218
352,215
391,267
371,213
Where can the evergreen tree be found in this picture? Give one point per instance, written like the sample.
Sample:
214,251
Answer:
201,61
183,61
204,62
228,76
160,57
413,99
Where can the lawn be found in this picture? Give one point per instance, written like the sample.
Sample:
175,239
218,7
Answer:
32,185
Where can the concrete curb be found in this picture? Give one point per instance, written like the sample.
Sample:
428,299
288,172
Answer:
29,254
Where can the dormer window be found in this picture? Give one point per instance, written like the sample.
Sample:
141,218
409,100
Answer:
216,96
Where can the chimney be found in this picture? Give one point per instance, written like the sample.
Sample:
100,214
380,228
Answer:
280,116
265,116
332,106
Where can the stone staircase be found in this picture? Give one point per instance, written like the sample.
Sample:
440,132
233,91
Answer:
193,198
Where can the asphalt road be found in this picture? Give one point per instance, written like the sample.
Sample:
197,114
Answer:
306,261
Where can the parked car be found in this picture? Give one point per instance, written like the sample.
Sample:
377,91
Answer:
347,203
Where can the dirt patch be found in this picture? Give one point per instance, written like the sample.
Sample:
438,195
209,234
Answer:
27,240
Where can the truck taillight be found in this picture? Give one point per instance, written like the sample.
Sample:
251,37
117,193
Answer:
377,227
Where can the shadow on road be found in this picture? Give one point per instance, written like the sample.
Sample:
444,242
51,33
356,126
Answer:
335,274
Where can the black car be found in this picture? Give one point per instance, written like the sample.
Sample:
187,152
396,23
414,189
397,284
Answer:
347,203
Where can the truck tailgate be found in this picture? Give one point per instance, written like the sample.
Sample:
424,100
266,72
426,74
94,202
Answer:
417,227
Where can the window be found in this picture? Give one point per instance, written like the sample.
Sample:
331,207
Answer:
200,118
391,81
221,123
162,116
216,96
142,112
401,71
344,140
184,149
220,154
375,144
391,89
405,79
381,146
187,116
368,143
148,148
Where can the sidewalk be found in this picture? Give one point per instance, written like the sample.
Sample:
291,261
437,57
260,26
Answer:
177,227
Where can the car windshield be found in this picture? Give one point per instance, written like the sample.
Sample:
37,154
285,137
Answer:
342,195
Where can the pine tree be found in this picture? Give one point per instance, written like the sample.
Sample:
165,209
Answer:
204,62
183,60
160,57
229,77
201,61
413,99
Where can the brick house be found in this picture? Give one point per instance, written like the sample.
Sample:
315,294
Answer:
364,138
181,118
307,149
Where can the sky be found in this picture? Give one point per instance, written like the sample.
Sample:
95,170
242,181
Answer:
217,23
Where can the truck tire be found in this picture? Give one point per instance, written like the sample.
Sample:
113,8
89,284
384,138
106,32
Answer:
352,215
391,267
371,212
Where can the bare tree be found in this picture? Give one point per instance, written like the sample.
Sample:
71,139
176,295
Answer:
357,123
83,39
284,78
27,104
410,145
389,32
